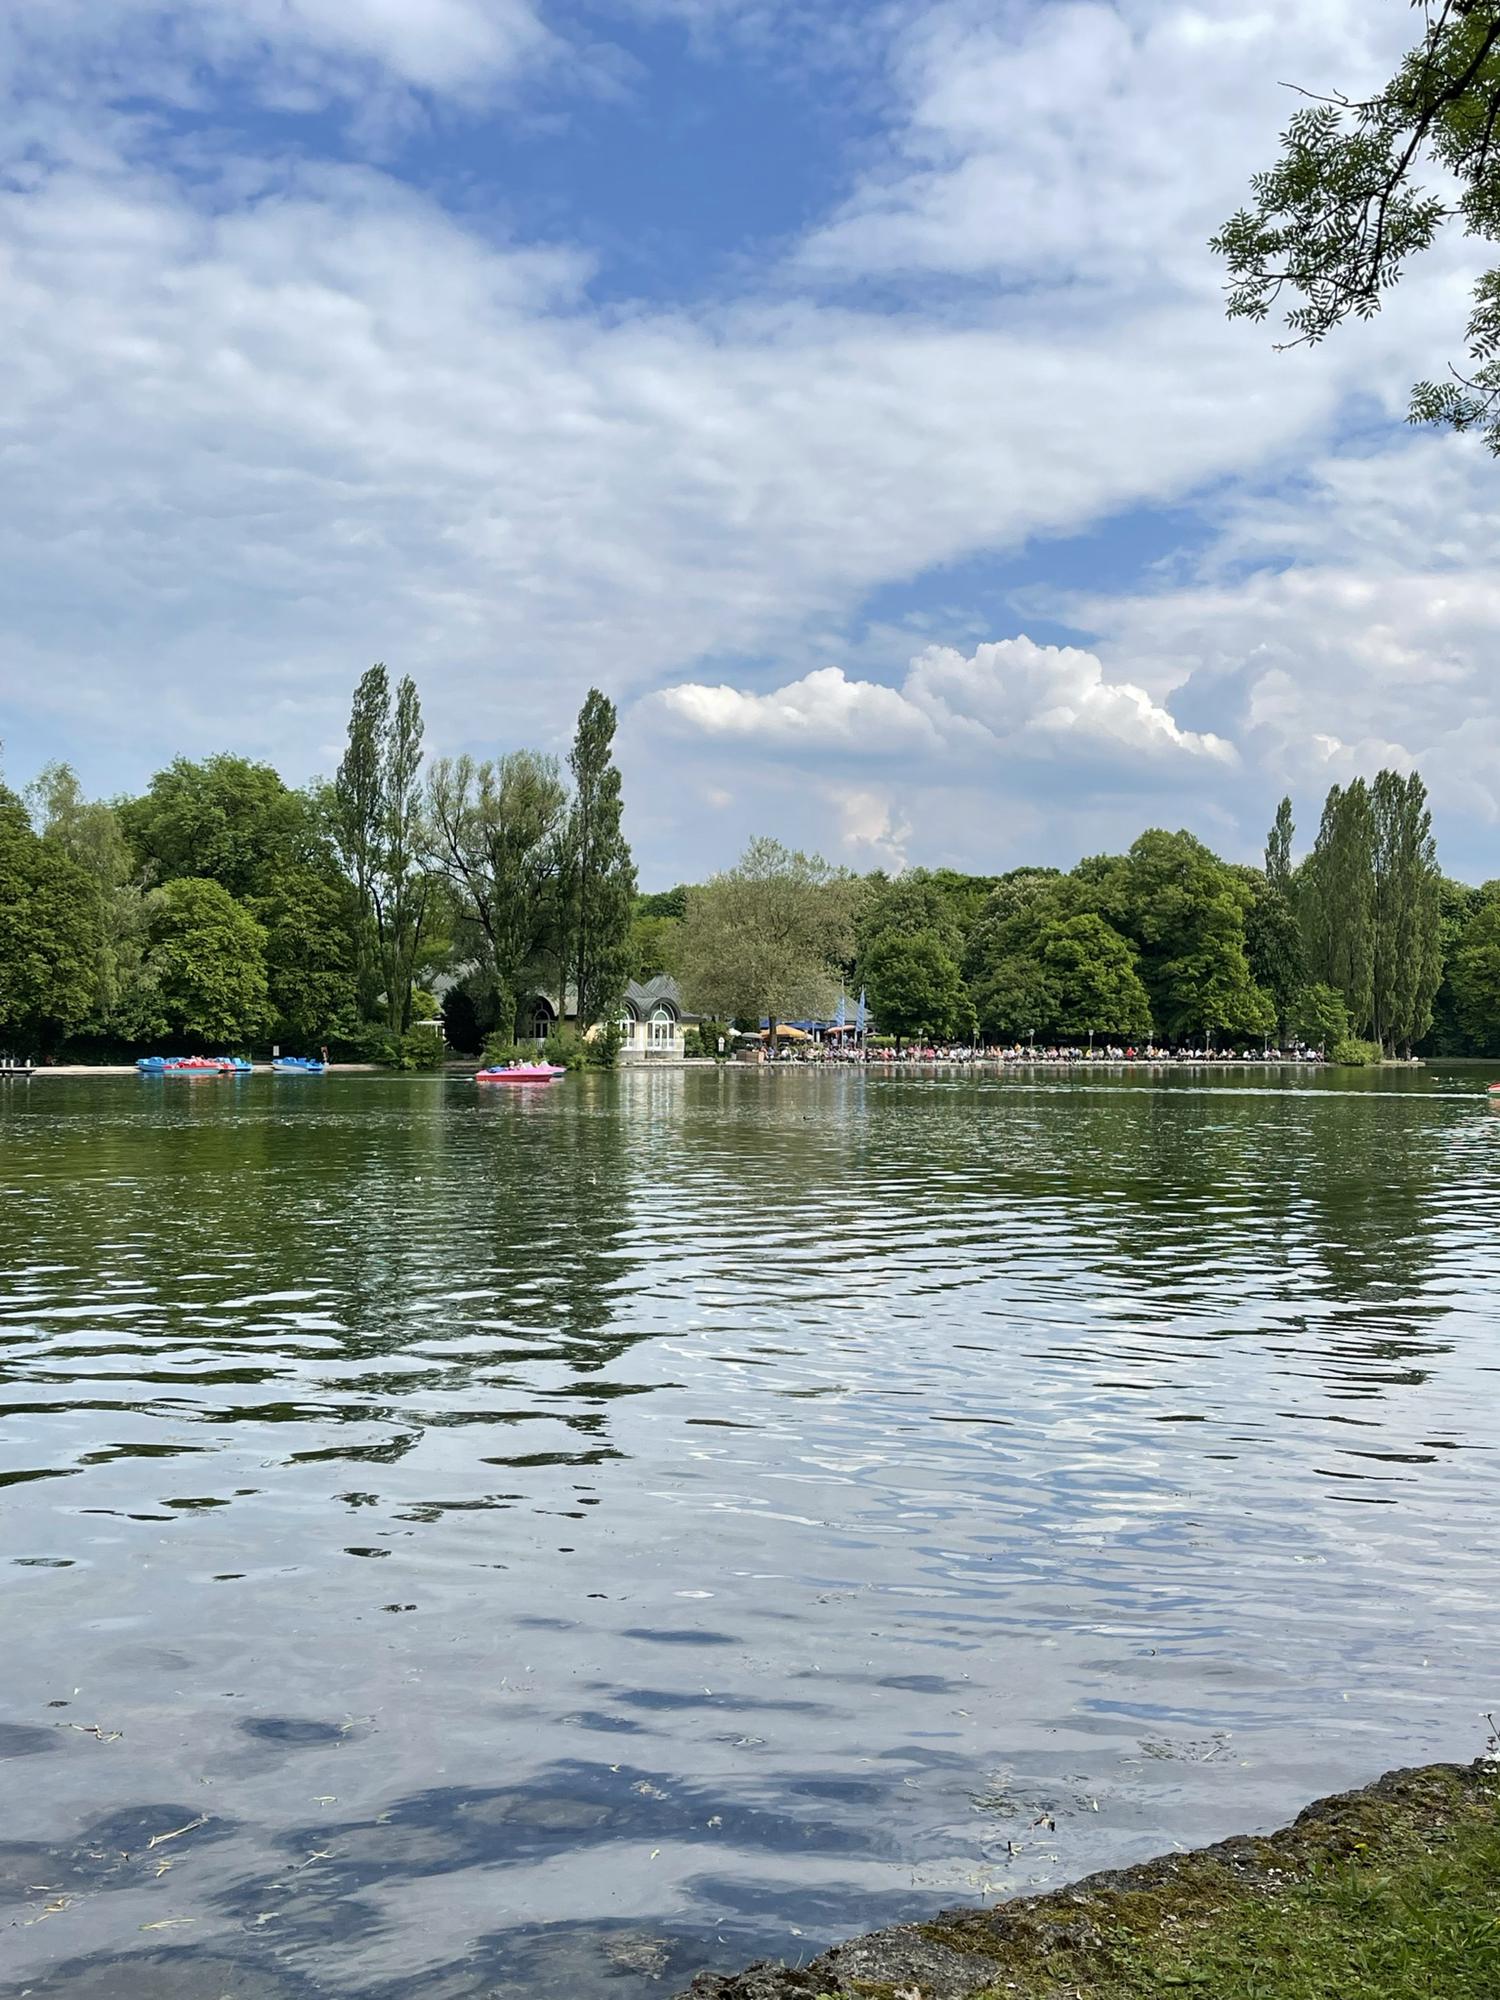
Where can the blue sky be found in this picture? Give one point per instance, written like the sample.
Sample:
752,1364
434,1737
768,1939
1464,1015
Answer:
845,390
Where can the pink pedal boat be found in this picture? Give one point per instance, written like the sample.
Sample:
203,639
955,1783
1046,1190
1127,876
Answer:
521,1073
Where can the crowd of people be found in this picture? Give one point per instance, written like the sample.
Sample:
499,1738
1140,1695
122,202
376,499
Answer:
1026,1053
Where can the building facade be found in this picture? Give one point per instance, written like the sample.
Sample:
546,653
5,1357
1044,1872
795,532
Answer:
652,1021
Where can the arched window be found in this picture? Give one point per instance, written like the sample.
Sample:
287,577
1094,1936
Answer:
627,1026
663,1027
542,1019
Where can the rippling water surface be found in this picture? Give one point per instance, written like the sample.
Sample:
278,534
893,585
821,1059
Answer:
547,1543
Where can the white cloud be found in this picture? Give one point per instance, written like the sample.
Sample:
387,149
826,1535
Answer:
327,422
1376,647
1087,143
873,833
822,711
267,421
295,53
1011,698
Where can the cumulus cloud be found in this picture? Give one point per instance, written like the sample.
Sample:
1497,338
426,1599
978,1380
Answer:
820,712
1009,698
1375,646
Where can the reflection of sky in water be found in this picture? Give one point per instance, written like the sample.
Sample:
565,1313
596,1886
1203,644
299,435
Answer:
549,1544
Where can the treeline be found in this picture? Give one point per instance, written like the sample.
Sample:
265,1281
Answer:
223,909
1362,948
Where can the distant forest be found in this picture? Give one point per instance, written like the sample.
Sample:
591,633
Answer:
225,910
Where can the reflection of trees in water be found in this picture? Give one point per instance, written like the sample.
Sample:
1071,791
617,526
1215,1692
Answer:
1294,1217
512,1259
384,1257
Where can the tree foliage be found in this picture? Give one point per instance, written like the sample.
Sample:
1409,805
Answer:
1184,910
1408,966
497,831
915,985
1093,972
1332,224
226,819
49,956
649,946
90,834
311,988
1476,973
1273,936
376,814
598,872
1370,900
1319,1019
906,904
206,957
1059,973
767,938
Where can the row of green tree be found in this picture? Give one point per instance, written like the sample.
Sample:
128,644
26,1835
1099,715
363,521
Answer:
1363,946
224,909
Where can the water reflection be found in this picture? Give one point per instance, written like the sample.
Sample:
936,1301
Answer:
547,1543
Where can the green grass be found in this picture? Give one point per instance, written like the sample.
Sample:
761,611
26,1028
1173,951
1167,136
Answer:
1431,1928
1396,1899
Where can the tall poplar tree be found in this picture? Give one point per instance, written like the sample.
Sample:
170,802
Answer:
403,887
376,812
1337,902
598,874
1407,915
355,816
1272,936
1279,850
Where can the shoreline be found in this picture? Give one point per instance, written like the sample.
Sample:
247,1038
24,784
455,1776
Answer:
989,1065
129,1069
1252,1902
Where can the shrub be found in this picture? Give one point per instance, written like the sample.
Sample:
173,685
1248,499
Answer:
501,1050
417,1049
565,1048
602,1050
1351,1053
1319,1017
360,1042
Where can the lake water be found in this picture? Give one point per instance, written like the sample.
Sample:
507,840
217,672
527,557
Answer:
545,1543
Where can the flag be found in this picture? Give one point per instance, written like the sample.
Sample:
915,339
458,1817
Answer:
843,1014
859,1018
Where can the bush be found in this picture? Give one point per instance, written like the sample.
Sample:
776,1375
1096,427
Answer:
1320,1019
501,1050
360,1042
565,1048
417,1049
602,1050
1351,1053
704,1039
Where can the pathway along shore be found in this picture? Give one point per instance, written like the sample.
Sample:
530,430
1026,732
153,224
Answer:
1379,1894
